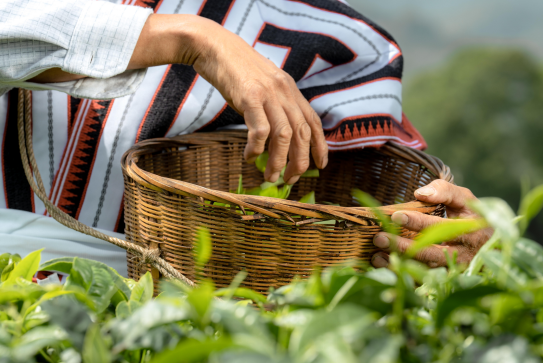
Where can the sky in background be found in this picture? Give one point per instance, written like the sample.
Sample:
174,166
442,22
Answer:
429,31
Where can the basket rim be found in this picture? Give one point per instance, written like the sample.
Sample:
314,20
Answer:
267,206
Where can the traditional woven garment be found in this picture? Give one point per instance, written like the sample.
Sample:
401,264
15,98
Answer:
347,67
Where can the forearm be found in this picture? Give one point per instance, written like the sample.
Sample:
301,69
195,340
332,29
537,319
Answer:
165,39
169,39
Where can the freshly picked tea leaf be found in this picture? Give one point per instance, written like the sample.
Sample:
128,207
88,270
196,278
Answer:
202,247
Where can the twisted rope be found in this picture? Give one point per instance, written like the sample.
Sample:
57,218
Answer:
24,124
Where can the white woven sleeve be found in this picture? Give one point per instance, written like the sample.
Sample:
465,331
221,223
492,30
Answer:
92,38
104,39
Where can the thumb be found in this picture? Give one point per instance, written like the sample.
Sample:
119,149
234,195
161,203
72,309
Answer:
442,192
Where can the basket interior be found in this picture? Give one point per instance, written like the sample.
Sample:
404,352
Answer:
390,179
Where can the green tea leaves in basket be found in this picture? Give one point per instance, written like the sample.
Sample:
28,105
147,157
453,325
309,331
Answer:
312,173
261,161
309,198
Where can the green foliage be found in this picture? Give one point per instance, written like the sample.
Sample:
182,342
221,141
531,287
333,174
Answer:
408,313
202,247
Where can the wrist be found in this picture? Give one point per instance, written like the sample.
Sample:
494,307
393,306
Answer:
190,35
171,39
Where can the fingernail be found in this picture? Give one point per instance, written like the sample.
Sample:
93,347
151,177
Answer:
426,191
379,261
293,179
324,161
381,241
274,177
252,160
400,219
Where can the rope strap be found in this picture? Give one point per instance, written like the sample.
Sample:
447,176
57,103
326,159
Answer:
24,124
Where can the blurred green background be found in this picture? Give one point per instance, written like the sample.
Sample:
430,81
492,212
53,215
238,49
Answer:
473,86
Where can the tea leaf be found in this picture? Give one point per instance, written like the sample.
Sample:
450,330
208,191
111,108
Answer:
236,281
94,348
7,270
285,191
62,264
48,296
202,247
4,261
243,293
443,232
95,280
529,256
70,315
240,185
383,350
200,299
366,200
10,265
530,206
309,198
124,309
462,298
514,277
313,173
194,350
143,291
261,161
504,348
153,314
499,216
35,340
343,317
26,268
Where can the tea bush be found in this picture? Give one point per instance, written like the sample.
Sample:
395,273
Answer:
489,311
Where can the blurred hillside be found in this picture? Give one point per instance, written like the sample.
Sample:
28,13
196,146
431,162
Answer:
480,113
429,31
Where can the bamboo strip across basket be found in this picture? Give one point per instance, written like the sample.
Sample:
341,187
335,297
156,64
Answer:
173,186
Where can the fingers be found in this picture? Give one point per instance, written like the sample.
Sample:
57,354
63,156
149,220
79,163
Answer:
280,138
301,137
379,260
416,221
433,256
319,147
259,129
440,191
294,131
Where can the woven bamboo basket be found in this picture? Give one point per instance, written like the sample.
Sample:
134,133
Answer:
173,186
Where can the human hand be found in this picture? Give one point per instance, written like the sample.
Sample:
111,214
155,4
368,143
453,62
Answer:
267,97
455,199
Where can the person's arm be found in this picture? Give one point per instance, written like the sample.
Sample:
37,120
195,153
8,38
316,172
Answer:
266,96
455,198
88,38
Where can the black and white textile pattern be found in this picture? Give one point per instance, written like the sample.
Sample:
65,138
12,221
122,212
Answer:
347,67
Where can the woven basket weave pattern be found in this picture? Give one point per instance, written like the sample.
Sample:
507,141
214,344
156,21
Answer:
161,214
